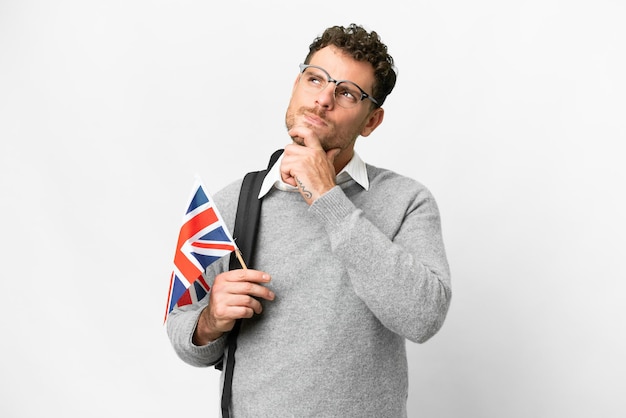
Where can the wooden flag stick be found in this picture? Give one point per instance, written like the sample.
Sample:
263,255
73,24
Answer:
243,264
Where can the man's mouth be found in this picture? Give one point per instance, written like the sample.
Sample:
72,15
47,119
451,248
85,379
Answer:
313,119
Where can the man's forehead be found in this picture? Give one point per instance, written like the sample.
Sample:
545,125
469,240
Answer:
343,67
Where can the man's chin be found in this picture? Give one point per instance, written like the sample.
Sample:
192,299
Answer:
297,140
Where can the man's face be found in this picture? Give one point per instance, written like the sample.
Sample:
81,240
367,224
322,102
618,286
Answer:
335,126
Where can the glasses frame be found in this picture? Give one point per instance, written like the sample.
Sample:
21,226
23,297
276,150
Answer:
364,95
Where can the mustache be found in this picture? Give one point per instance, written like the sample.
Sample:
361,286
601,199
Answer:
315,111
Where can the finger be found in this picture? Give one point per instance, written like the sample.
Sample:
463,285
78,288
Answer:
250,289
286,177
236,302
312,141
225,316
297,134
246,275
305,136
332,154
231,307
286,166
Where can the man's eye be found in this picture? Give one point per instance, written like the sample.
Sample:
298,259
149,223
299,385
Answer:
347,93
313,79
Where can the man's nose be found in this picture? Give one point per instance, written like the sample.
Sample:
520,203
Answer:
326,97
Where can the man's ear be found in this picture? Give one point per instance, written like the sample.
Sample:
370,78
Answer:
375,119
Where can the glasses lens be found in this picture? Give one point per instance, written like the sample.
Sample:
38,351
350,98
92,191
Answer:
347,94
313,79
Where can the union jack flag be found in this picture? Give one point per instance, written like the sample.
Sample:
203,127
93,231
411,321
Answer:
203,239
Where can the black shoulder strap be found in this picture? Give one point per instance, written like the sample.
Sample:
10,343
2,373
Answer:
244,234
248,212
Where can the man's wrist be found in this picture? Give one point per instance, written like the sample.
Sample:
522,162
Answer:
204,333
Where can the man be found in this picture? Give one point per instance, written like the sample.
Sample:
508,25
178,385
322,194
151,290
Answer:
347,267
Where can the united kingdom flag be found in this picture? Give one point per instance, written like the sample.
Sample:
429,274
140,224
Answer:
203,239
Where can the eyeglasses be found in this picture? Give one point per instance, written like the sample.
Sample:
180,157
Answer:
347,94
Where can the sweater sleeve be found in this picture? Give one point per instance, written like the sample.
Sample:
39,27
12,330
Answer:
181,324
397,264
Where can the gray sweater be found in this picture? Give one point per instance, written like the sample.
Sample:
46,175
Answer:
355,275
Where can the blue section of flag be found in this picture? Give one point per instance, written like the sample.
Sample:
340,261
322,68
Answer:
200,290
178,289
200,198
217,234
205,260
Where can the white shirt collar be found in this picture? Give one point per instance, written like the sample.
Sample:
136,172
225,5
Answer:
355,170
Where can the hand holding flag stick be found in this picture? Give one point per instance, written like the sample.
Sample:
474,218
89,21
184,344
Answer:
203,239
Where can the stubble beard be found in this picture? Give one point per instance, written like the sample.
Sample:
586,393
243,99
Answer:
291,119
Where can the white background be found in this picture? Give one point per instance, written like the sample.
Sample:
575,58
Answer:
512,113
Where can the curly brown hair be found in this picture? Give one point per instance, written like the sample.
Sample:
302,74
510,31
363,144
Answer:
361,45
